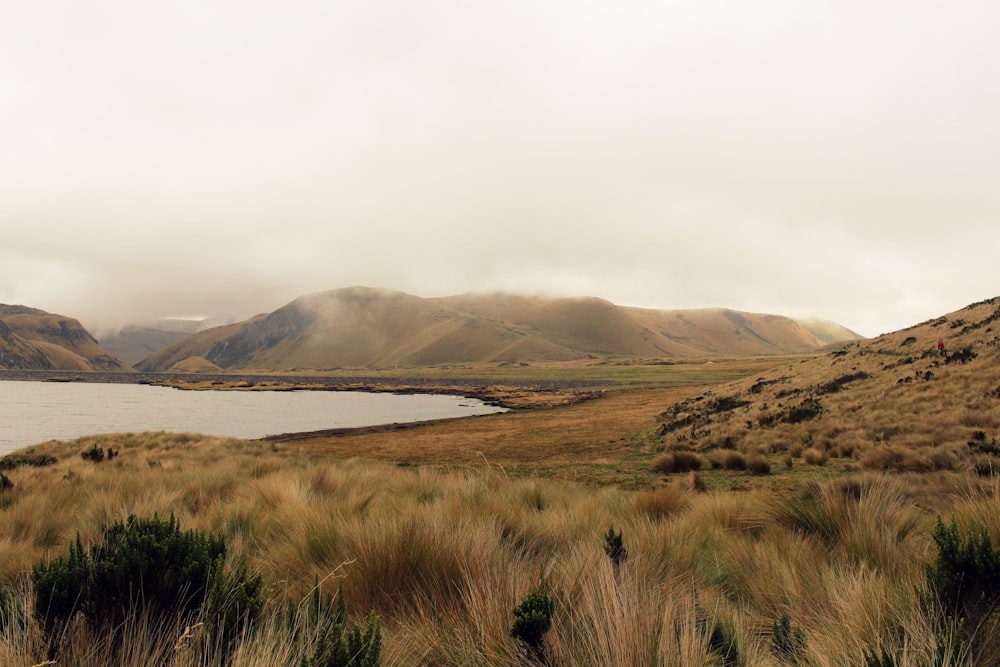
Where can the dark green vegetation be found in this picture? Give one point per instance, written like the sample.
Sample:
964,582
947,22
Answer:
144,569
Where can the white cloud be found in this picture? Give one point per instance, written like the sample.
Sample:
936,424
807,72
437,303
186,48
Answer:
828,159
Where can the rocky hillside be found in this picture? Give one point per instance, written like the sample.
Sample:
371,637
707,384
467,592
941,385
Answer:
363,327
35,339
923,399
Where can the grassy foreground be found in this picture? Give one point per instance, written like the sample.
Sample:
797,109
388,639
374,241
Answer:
445,556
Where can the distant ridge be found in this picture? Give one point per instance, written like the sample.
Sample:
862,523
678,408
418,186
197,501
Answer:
35,339
362,327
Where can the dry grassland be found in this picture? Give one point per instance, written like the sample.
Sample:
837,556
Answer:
442,529
444,557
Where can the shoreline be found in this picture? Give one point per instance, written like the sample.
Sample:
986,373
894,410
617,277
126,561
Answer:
510,394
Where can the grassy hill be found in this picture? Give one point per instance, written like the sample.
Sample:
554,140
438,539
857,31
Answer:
367,328
36,339
892,403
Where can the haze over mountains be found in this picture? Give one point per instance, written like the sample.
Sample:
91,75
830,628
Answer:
360,327
364,327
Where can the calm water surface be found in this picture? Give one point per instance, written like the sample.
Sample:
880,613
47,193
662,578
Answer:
34,412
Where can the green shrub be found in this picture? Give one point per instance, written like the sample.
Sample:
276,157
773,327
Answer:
964,581
149,567
336,643
532,619
614,548
10,462
788,642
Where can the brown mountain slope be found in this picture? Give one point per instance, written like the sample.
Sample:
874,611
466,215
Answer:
191,347
64,343
895,403
16,352
598,326
364,327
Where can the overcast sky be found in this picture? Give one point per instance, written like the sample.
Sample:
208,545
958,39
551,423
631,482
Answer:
218,157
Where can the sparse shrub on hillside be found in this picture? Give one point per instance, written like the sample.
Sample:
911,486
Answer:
758,465
97,454
725,404
808,409
12,462
728,459
814,456
679,461
837,384
961,356
895,458
5,483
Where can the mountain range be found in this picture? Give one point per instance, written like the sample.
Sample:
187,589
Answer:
364,327
361,327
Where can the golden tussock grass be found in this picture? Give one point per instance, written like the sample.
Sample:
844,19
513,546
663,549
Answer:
444,557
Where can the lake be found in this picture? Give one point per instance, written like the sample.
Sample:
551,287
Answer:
34,412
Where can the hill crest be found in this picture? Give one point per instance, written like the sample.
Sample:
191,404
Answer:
359,327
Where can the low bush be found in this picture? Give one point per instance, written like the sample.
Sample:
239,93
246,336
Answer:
147,568
727,459
815,456
97,454
964,581
11,462
758,465
679,461
337,644
532,619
